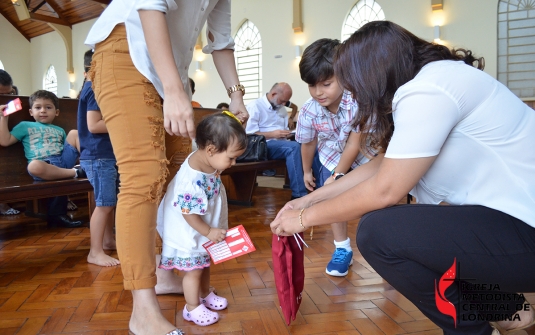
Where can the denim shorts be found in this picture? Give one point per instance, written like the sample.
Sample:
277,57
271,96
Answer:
103,176
324,174
67,159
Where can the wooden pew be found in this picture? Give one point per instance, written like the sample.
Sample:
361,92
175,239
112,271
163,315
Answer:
15,182
240,180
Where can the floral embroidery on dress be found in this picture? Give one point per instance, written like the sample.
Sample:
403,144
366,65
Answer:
188,202
187,263
210,185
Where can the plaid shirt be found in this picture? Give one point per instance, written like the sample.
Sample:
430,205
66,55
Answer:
331,130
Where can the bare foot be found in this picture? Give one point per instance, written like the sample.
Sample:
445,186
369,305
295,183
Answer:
102,259
147,318
109,245
168,282
525,319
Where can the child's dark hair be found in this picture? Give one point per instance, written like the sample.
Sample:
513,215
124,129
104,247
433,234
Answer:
42,94
316,64
220,130
88,57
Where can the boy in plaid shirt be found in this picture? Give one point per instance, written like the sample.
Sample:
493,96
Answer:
325,122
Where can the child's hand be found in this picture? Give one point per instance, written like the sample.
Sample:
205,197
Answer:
2,108
309,180
216,235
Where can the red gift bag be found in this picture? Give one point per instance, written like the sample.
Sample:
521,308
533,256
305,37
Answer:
289,270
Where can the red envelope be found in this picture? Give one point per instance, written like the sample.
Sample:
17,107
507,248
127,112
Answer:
13,106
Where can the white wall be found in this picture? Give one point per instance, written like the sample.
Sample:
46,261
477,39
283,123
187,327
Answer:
50,49
465,23
15,54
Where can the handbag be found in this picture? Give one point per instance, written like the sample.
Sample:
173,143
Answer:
256,149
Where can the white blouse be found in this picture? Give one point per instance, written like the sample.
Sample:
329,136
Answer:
185,20
481,133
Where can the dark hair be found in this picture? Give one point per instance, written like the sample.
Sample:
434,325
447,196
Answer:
316,64
374,62
5,79
192,85
88,57
223,105
42,94
220,130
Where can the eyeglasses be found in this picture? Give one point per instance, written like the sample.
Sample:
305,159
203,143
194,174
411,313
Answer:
11,92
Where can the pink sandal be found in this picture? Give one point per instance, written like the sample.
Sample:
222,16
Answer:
200,315
214,302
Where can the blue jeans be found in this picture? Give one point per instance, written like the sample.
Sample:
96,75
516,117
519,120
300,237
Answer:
291,152
103,176
67,159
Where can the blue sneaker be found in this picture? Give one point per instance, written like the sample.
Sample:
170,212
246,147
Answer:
340,263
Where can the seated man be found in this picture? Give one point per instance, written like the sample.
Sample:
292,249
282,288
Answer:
268,117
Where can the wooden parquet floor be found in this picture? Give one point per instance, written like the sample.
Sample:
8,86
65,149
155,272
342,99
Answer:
47,286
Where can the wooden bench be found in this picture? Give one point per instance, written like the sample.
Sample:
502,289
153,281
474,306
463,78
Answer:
240,180
15,182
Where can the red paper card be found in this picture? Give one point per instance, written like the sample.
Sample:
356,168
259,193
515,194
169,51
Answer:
13,106
237,243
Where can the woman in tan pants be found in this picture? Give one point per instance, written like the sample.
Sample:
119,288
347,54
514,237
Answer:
142,52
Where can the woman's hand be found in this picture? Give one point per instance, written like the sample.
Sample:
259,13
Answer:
178,114
216,235
237,108
297,204
287,223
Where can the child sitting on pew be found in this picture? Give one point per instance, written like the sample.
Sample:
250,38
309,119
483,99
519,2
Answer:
50,152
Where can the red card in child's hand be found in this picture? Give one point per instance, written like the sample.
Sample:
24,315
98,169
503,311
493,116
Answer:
13,106
237,243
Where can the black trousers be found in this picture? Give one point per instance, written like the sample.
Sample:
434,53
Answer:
57,205
412,246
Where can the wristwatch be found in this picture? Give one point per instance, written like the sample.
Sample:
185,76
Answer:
235,88
337,176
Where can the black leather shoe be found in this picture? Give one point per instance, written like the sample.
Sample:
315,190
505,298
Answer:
63,221
80,173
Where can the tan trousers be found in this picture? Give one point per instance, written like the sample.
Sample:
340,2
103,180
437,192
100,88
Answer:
132,110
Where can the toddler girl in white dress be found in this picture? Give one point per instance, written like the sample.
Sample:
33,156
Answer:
194,210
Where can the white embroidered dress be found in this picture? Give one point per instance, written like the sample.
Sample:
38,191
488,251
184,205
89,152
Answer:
190,192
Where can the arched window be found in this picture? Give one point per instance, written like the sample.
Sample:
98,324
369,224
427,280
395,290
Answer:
50,82
362,12
516,46
248,53
1,65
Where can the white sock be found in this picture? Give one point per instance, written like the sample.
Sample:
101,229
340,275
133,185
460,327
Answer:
344,244
75,174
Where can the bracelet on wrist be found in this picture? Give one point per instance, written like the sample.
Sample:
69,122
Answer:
236,88
208,233
301,219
